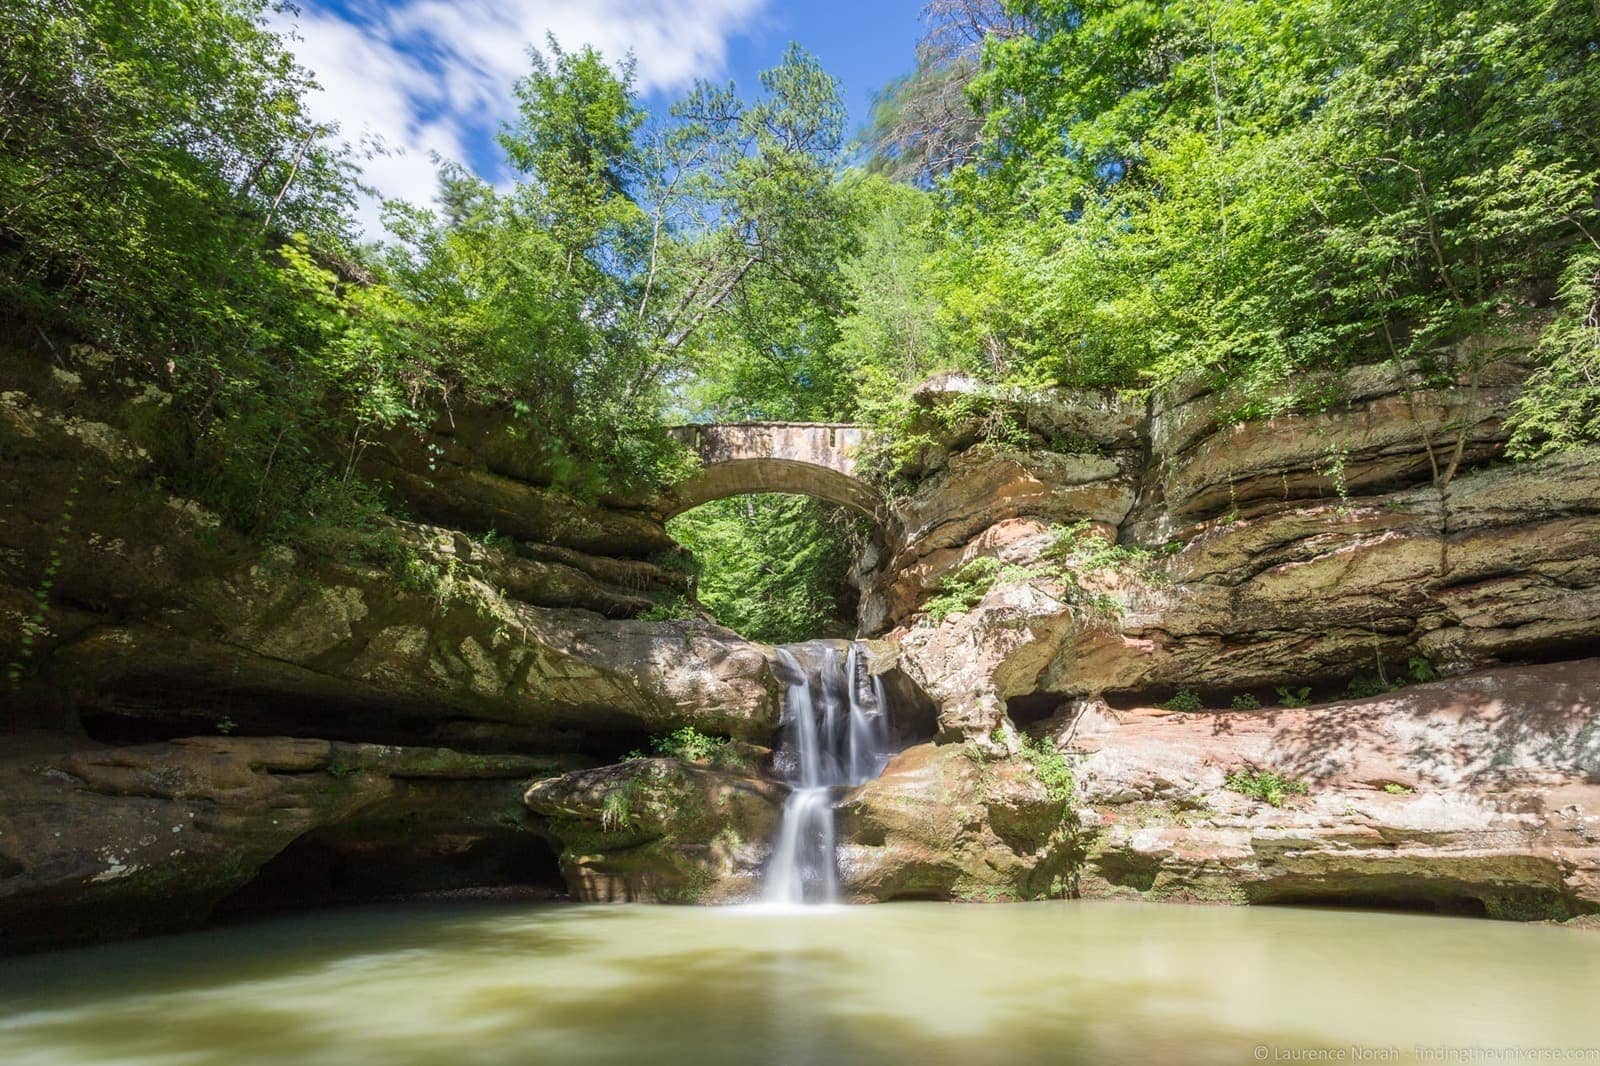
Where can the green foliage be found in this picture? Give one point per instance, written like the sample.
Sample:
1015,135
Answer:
1081,547
1184,700
1250,191
1268,786
1050,767
226,725
771,169
1560,406
338,767
1294,697
616,810
192,219
34,625
668,611
1367,685
689,744
962,588
1418,671
1395,788
1245,701
774,568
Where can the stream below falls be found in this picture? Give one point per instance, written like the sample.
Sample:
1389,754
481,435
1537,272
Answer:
1057,982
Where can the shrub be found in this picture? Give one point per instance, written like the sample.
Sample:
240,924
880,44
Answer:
668,611
1050,766
689,744
1294,697
1244,701
1268,786
1395,788
962,588
1184,700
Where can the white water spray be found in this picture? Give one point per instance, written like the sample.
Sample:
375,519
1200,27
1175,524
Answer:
836,724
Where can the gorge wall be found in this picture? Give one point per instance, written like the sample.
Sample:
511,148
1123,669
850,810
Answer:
201,724
159,664
1157,591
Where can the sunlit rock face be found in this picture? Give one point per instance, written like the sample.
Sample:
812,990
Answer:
1479,794
1166,549
956,822
1305,549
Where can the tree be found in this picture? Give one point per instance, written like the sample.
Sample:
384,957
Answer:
1252,191
927,123
774,568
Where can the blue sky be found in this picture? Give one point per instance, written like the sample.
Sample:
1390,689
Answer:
408,78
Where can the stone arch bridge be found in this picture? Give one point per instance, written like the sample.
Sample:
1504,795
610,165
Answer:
807,458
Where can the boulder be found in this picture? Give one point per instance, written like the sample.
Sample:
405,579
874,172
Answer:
662,830
965,822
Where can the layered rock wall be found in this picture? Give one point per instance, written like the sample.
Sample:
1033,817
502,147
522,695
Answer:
1236,571
1304,549
198,721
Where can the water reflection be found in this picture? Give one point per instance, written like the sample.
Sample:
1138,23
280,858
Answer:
1063,983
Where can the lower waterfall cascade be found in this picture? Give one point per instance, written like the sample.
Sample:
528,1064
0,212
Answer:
836,736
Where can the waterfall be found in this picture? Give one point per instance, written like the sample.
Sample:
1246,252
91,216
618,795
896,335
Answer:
836,735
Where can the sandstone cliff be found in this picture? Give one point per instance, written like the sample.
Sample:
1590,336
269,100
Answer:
1374,640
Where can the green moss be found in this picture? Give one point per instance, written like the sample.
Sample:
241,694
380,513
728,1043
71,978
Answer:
1173,889
696,882
1541,907
985,893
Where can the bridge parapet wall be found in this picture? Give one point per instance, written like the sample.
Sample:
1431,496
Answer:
810,458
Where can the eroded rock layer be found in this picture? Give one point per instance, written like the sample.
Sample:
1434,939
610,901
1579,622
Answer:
202,724
1479,794
1302,550
99,842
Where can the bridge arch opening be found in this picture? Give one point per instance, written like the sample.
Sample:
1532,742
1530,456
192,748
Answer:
776,518
814,459
776,567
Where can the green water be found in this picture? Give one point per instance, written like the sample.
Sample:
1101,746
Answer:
918,983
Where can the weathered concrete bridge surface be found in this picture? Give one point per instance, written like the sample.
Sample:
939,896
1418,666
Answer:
808,458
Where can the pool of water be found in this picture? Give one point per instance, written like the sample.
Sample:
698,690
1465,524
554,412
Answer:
923,983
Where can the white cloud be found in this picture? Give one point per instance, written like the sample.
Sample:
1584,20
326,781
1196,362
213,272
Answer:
423,76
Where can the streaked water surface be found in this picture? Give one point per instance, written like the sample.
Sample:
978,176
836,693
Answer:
916,983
